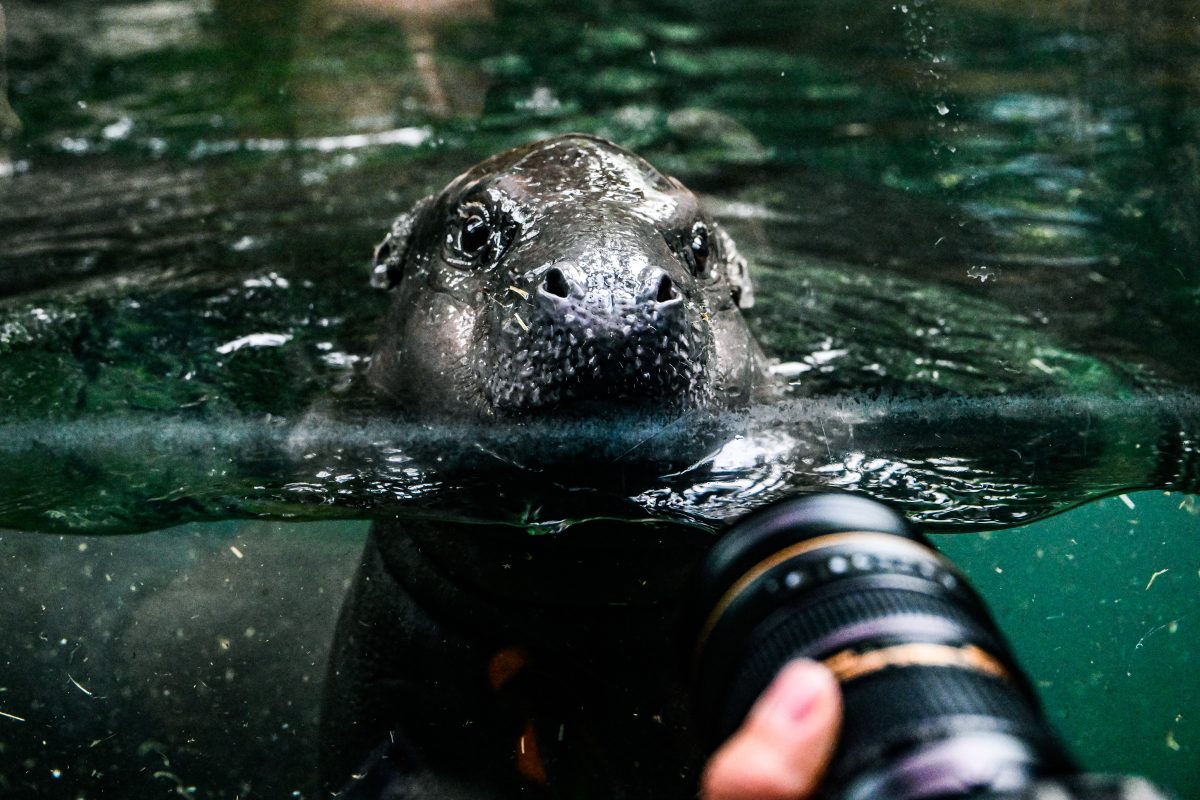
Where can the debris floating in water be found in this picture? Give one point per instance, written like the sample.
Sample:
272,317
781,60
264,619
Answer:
11,716
233,549
1171,743
180,788
1125,499
1169,627
1154,577
79,686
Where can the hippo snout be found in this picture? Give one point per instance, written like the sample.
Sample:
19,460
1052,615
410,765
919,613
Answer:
595,335
651,300
564,283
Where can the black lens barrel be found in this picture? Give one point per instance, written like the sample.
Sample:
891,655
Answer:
933,697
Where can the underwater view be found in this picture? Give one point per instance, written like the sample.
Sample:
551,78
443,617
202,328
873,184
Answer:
256,316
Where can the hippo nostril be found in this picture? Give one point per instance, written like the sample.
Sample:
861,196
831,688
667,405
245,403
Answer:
658,291
666,290
556,283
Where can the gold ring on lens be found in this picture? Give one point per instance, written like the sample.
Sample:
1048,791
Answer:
849,665
865,539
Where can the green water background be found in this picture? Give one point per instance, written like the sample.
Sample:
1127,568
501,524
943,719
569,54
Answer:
1100,605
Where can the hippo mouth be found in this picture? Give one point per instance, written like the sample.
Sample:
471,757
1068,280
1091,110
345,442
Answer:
634,354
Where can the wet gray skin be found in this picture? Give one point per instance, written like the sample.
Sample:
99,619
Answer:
559,274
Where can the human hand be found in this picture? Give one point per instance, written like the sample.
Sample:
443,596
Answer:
785,742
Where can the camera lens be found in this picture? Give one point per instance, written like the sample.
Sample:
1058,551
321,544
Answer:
935,705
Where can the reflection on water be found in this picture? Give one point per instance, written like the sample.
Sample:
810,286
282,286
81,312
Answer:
972,232
952,463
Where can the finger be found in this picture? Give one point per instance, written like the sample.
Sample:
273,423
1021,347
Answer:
782,748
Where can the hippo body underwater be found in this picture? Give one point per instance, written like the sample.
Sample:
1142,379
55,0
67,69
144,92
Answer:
562,279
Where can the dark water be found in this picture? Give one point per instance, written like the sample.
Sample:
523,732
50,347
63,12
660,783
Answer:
201,648
972,231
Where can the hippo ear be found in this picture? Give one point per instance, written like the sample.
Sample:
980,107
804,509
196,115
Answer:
736,271
392,252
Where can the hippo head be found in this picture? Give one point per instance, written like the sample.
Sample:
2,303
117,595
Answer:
556,276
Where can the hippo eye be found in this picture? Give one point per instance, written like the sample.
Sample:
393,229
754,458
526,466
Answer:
699,247
474,235
478,233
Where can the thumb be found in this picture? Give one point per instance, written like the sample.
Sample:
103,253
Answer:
781,750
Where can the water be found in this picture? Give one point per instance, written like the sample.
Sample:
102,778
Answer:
1100,605
188,216
972,235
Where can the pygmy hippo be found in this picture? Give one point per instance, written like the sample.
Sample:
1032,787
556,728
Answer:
478,661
